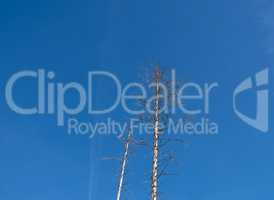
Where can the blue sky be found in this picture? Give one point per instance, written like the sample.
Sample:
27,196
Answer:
204,41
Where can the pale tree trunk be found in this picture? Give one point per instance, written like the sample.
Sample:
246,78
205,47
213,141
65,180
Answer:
123,167
154,177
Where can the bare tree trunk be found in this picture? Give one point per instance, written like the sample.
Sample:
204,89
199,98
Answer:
154,177
123,167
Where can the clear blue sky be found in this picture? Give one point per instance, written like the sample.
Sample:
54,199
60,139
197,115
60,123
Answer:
207,40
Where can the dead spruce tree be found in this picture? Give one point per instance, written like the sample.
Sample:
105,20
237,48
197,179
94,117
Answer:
128,142
154,176
124,162
157,114
160,108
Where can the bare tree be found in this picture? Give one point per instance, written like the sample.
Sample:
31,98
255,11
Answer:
164,97
154,176
123,166
124,162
